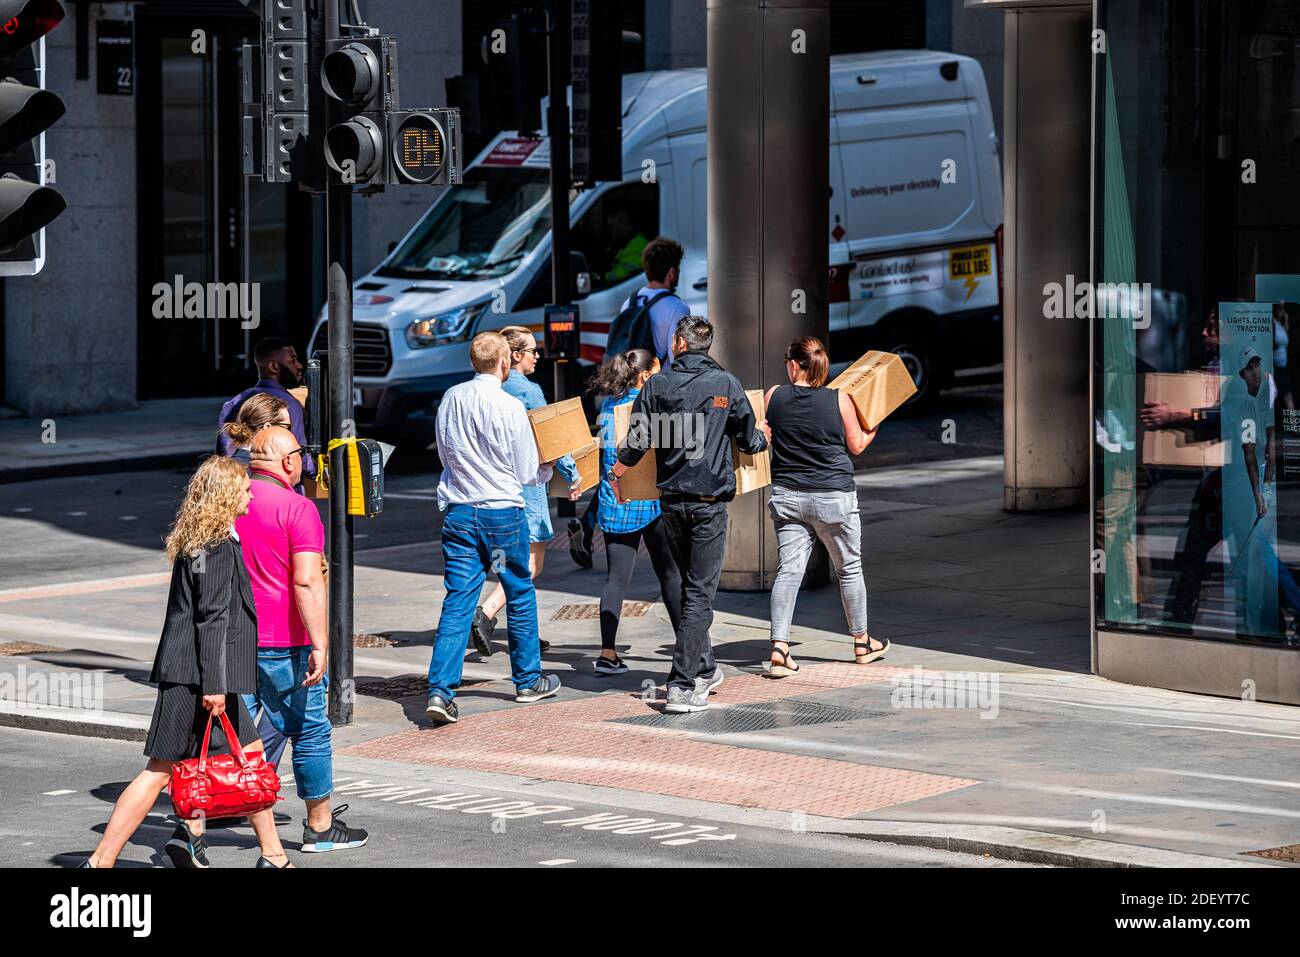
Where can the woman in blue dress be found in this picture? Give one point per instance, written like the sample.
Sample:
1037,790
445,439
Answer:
625,525
537,509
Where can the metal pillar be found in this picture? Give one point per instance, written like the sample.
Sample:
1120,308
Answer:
338,200
768,214
1048,129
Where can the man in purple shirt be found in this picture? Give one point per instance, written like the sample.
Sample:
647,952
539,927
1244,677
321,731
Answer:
278,371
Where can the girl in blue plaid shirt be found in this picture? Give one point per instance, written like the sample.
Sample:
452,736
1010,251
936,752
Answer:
624,525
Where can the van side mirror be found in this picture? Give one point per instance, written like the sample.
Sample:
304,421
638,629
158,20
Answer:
580,282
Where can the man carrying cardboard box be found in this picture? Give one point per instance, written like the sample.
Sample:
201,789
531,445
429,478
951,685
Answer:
690,413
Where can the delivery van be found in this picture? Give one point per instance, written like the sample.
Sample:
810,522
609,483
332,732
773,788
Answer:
913,245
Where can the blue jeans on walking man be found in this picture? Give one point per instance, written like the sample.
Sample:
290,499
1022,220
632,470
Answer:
297,714
474,542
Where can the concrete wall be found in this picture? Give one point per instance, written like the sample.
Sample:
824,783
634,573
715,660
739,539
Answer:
675,35
70,332
429,51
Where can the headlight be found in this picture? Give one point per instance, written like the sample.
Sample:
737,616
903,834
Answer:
445,327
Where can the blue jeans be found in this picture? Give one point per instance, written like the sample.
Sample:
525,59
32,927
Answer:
298,714
474,542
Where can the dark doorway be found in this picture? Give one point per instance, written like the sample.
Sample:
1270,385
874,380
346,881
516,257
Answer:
200,218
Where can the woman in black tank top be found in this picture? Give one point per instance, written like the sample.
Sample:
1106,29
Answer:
815,433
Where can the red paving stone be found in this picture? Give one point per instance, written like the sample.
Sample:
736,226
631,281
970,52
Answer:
578,742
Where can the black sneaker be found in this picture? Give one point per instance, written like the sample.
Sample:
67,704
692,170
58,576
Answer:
546,686
579,544
337,837
605,666
480,632
186,851
440,710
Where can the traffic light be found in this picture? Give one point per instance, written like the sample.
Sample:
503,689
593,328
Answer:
27,110
359,75
276,86
597,92
370,142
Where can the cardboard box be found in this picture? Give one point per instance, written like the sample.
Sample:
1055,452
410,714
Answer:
300,394
639,483
1178,448
878,383
560,429
588,462
753,471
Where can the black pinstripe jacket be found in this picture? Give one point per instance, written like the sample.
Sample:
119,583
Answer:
210,636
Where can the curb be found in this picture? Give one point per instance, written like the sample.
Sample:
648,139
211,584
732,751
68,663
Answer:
1024,846
114,725
142,463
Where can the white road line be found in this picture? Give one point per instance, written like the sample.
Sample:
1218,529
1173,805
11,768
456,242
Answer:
1231,807
557,861
1192,727
1265,782
59,793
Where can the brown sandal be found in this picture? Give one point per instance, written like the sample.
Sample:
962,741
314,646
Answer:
863,654
784,670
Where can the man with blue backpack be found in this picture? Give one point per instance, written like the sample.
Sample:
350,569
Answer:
646,320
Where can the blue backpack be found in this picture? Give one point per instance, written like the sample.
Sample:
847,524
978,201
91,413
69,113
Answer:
631,328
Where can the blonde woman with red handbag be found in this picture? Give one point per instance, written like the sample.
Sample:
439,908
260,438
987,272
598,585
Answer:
206,658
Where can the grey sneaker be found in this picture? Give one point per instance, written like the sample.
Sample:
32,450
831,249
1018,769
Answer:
683,701
714,683
441,710
546,686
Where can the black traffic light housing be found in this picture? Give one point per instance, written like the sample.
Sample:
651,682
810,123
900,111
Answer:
27,110
359,76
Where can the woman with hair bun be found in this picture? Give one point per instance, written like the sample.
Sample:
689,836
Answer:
257,412
815,431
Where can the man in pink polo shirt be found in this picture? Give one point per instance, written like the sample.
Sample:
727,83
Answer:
283,543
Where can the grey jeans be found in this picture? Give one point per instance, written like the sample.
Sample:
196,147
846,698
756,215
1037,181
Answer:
833,518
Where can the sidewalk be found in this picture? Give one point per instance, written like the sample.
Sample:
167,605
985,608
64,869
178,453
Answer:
157,434
1002,742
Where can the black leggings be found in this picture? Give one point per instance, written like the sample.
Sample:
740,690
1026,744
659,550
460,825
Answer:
620,560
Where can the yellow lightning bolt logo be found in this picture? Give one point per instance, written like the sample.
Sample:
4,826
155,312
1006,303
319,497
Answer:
970,282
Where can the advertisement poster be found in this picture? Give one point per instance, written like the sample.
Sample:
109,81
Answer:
1249,475
1283,291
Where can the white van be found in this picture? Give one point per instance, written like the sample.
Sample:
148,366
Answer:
913,250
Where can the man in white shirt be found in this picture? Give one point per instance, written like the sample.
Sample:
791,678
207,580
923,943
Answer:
486,444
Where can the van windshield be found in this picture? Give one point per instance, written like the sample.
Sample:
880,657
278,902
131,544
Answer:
481,229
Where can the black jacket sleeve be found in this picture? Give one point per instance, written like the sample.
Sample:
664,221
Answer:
212,584
741,424
637,441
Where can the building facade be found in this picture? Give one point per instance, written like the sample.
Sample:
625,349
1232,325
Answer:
154,187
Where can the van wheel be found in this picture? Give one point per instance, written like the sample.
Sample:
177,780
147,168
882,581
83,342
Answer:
921,360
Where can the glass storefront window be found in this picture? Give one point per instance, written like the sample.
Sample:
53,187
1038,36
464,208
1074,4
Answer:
1197,260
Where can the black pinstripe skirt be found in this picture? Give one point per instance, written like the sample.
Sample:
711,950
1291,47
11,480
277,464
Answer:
179,720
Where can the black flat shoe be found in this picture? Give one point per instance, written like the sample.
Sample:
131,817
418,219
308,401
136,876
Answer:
480,632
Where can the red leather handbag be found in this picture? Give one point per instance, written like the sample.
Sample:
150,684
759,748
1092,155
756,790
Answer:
224,785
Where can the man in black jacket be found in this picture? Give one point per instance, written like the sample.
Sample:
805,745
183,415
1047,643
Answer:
690,414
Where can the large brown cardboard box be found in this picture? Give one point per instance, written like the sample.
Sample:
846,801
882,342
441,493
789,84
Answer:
1177,448
878,383
752,471
639,483
588,462
560,429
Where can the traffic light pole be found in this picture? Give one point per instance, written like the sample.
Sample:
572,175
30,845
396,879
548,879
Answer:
557,127
338,215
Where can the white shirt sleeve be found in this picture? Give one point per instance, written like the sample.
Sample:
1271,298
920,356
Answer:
524,447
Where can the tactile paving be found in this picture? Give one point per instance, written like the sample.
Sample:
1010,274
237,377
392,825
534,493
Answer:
585,742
